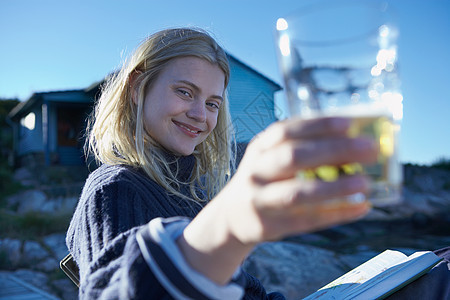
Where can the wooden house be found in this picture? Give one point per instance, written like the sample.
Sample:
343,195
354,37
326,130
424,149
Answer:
49,126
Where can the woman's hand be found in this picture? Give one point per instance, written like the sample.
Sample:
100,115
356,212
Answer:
271,201
266,200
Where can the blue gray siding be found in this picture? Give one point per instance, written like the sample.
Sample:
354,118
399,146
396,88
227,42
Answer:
251,101
30,140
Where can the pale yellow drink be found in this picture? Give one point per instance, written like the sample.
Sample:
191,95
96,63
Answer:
385,174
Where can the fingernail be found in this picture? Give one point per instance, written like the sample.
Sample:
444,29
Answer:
356,198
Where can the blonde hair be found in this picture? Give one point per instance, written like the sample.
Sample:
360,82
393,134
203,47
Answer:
116,132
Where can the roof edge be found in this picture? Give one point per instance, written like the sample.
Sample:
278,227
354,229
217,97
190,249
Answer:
276,85
35,97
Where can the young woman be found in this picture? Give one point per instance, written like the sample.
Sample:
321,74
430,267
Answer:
165,215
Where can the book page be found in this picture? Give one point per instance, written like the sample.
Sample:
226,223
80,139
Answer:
378,276
396,276
345,284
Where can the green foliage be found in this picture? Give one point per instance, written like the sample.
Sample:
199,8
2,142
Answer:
8,185
446,186
6,139
442,163
4,261
6,105
32,225
411,165
56,274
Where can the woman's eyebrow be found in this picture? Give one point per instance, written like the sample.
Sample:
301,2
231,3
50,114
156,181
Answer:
197,89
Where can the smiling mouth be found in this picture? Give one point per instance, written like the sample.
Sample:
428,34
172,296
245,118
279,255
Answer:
187,128
190,130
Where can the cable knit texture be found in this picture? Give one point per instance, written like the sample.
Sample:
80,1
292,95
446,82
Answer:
116,202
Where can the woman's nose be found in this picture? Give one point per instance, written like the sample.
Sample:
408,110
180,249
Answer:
197,111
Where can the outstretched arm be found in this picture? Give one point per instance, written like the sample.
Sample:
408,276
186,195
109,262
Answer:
266,200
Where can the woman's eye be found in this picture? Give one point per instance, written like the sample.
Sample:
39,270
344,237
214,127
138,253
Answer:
184,93
213,105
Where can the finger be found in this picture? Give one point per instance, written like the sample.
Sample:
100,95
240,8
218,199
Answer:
336,151
294,206
318,127
294,194
323,216
285,160
296,128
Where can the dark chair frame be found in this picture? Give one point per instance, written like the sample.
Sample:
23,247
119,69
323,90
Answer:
69,267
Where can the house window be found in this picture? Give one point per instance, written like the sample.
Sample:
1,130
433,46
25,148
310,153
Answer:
29,121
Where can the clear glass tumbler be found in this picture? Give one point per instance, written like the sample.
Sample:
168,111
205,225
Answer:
339,58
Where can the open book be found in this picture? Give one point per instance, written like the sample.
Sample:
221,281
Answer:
378,277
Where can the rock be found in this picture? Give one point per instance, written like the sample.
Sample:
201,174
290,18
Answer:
69,203
413,202
11,250
441,200
417,202
28,201
63,204
24,176
426,180
356,259
420,220
13,200
296,266
292,269
33,251
47,265
66,288
49,207
57,244
314,239
37,201
378,215
35,278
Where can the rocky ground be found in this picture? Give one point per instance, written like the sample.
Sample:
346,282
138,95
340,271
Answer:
37,263
300,265
296,266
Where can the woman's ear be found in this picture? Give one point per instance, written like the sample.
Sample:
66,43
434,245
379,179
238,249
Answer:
134,82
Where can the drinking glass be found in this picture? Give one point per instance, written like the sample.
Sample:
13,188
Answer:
339,58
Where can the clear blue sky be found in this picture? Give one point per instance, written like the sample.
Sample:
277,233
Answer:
49,45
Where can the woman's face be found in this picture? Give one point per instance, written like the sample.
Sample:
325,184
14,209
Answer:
182,105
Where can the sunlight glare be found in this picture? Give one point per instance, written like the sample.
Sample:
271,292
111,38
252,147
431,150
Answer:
282,24
376,71
394,101
29,121
303,93
384,31
355,97
285,47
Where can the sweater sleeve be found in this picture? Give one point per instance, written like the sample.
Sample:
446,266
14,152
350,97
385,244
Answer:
157,244
151,264
121,255
112,208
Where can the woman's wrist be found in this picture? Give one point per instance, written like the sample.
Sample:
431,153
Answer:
209,245
157,242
